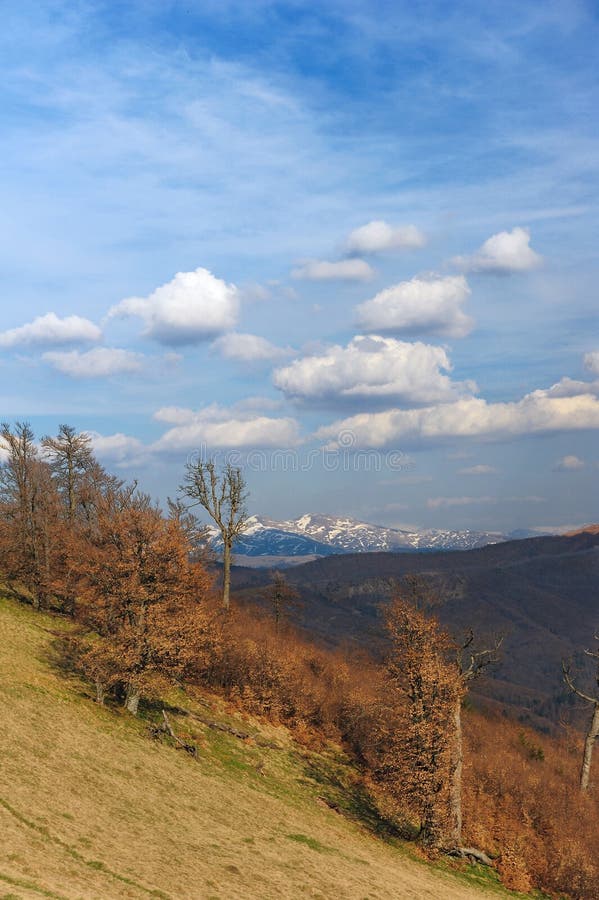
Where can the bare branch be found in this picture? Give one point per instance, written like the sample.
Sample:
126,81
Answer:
575,690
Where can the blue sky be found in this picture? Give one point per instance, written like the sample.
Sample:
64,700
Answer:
261,226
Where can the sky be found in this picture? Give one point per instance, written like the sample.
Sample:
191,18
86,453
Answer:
349,246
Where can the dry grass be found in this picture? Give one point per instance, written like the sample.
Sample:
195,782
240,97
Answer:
92,807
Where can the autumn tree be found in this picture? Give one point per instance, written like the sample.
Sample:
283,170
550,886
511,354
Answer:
140,591
28,509
223,495
281,597
428,673
593,729
423,691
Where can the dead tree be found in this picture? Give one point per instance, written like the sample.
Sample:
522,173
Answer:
222,495
470,665
593,730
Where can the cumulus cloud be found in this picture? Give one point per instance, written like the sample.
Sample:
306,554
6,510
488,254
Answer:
343,270
420,305
469,417
507,251
249,348
569,463
591,361
97,363
217,427
193,307
378,236
51,330
478,470
120,449
372,367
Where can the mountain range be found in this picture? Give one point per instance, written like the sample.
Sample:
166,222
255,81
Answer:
312,535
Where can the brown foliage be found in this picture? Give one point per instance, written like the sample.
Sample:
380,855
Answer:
521,802
77,537
139,591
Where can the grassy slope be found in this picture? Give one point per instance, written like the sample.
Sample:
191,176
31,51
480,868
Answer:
91,807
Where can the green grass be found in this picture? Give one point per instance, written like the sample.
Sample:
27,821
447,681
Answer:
312,843
91,805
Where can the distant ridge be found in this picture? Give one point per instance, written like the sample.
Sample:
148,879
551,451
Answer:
541,594
586,529
315,534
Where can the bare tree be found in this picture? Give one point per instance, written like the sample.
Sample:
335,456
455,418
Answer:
70,457
470,664
222,495
593,731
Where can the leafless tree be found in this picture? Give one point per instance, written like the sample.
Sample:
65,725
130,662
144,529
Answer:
223,495
593,730
470,664
70,456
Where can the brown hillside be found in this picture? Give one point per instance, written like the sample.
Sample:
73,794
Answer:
541,593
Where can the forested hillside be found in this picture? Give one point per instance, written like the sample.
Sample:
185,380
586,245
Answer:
541,594
116,625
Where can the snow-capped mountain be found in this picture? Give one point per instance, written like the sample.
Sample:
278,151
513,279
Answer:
351,536
321,535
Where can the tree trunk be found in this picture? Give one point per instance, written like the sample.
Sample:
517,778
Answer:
132,699
592,735
226,574
99,692
455,775
433,826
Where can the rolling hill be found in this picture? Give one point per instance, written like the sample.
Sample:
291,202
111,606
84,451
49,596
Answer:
541,593
91,806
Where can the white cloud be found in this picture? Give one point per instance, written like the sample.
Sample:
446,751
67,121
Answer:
569,463
97,363
120,449
377,236
193,307
507,251
371,367
249,348
470,417
218,427
343,270
478,470
591,361
419,305
51,330
570,387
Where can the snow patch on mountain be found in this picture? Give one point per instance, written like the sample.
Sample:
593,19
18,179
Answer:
323,535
